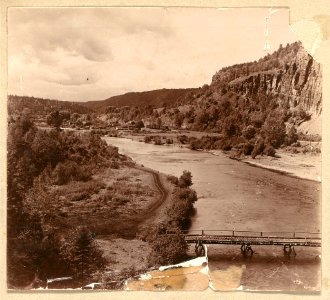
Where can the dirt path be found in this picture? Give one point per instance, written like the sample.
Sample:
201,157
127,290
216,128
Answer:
149,215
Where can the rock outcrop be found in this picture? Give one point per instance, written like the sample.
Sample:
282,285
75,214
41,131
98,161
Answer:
295,81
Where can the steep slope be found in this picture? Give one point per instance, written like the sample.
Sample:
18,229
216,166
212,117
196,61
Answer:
290,76
294,83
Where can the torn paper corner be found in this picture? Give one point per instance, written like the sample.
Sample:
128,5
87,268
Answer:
312,32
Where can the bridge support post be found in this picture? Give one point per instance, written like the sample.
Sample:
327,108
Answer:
289,250
199,249
246,250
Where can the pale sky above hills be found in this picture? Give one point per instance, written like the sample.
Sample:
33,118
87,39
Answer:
80,54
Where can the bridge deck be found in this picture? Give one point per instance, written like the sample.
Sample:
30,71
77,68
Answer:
253,238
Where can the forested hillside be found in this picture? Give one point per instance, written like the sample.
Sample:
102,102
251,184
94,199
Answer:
156,98
40,106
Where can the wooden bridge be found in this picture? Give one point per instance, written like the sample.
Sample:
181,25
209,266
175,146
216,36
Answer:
248,238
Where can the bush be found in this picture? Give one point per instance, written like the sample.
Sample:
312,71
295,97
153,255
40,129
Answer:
292,136
249,132
185,194
269,150
147,139
158,141
296,144
185,179
247,148
274,129
169,141
68,171
169,249
173,179
226,146
258,147
183,139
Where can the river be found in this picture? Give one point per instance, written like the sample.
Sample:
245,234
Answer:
236,196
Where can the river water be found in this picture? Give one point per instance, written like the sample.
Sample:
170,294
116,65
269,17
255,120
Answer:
236,196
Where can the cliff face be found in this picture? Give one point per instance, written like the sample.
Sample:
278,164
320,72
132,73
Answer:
296,80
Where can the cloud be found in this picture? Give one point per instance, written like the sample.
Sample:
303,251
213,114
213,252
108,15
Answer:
55,50
44,30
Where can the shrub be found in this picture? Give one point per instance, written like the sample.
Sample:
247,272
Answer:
246,148
226,145
114,164
158,140
169,249
69,171
185,194
292,136
183,139
173,179
296,144
185,179
269,150
79,196
258,147
274,129
194,144
169,141
249,132
147,139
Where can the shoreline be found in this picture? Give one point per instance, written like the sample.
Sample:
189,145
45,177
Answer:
303,166
284,163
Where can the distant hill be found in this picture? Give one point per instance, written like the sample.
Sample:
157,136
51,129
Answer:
156,98
40,106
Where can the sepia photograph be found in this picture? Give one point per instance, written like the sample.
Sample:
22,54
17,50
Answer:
162,149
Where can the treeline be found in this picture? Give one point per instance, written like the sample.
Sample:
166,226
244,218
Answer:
38,159
155,98
254,126
40,106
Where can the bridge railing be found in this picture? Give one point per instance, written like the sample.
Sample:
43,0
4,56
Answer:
248,233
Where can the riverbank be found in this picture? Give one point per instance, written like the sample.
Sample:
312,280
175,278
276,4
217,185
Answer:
304,166
300,165
138,245
126,251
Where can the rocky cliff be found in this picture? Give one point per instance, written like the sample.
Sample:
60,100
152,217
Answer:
290,74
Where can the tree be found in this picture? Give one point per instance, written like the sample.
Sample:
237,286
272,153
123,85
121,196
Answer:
139,124
249,132
56,118
82,255
292,135
274,130
169,249
185,179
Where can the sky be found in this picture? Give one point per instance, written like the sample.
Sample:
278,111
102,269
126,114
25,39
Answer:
80,54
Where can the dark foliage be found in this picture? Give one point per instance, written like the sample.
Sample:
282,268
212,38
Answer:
172,248
82,255
185,179
36,159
